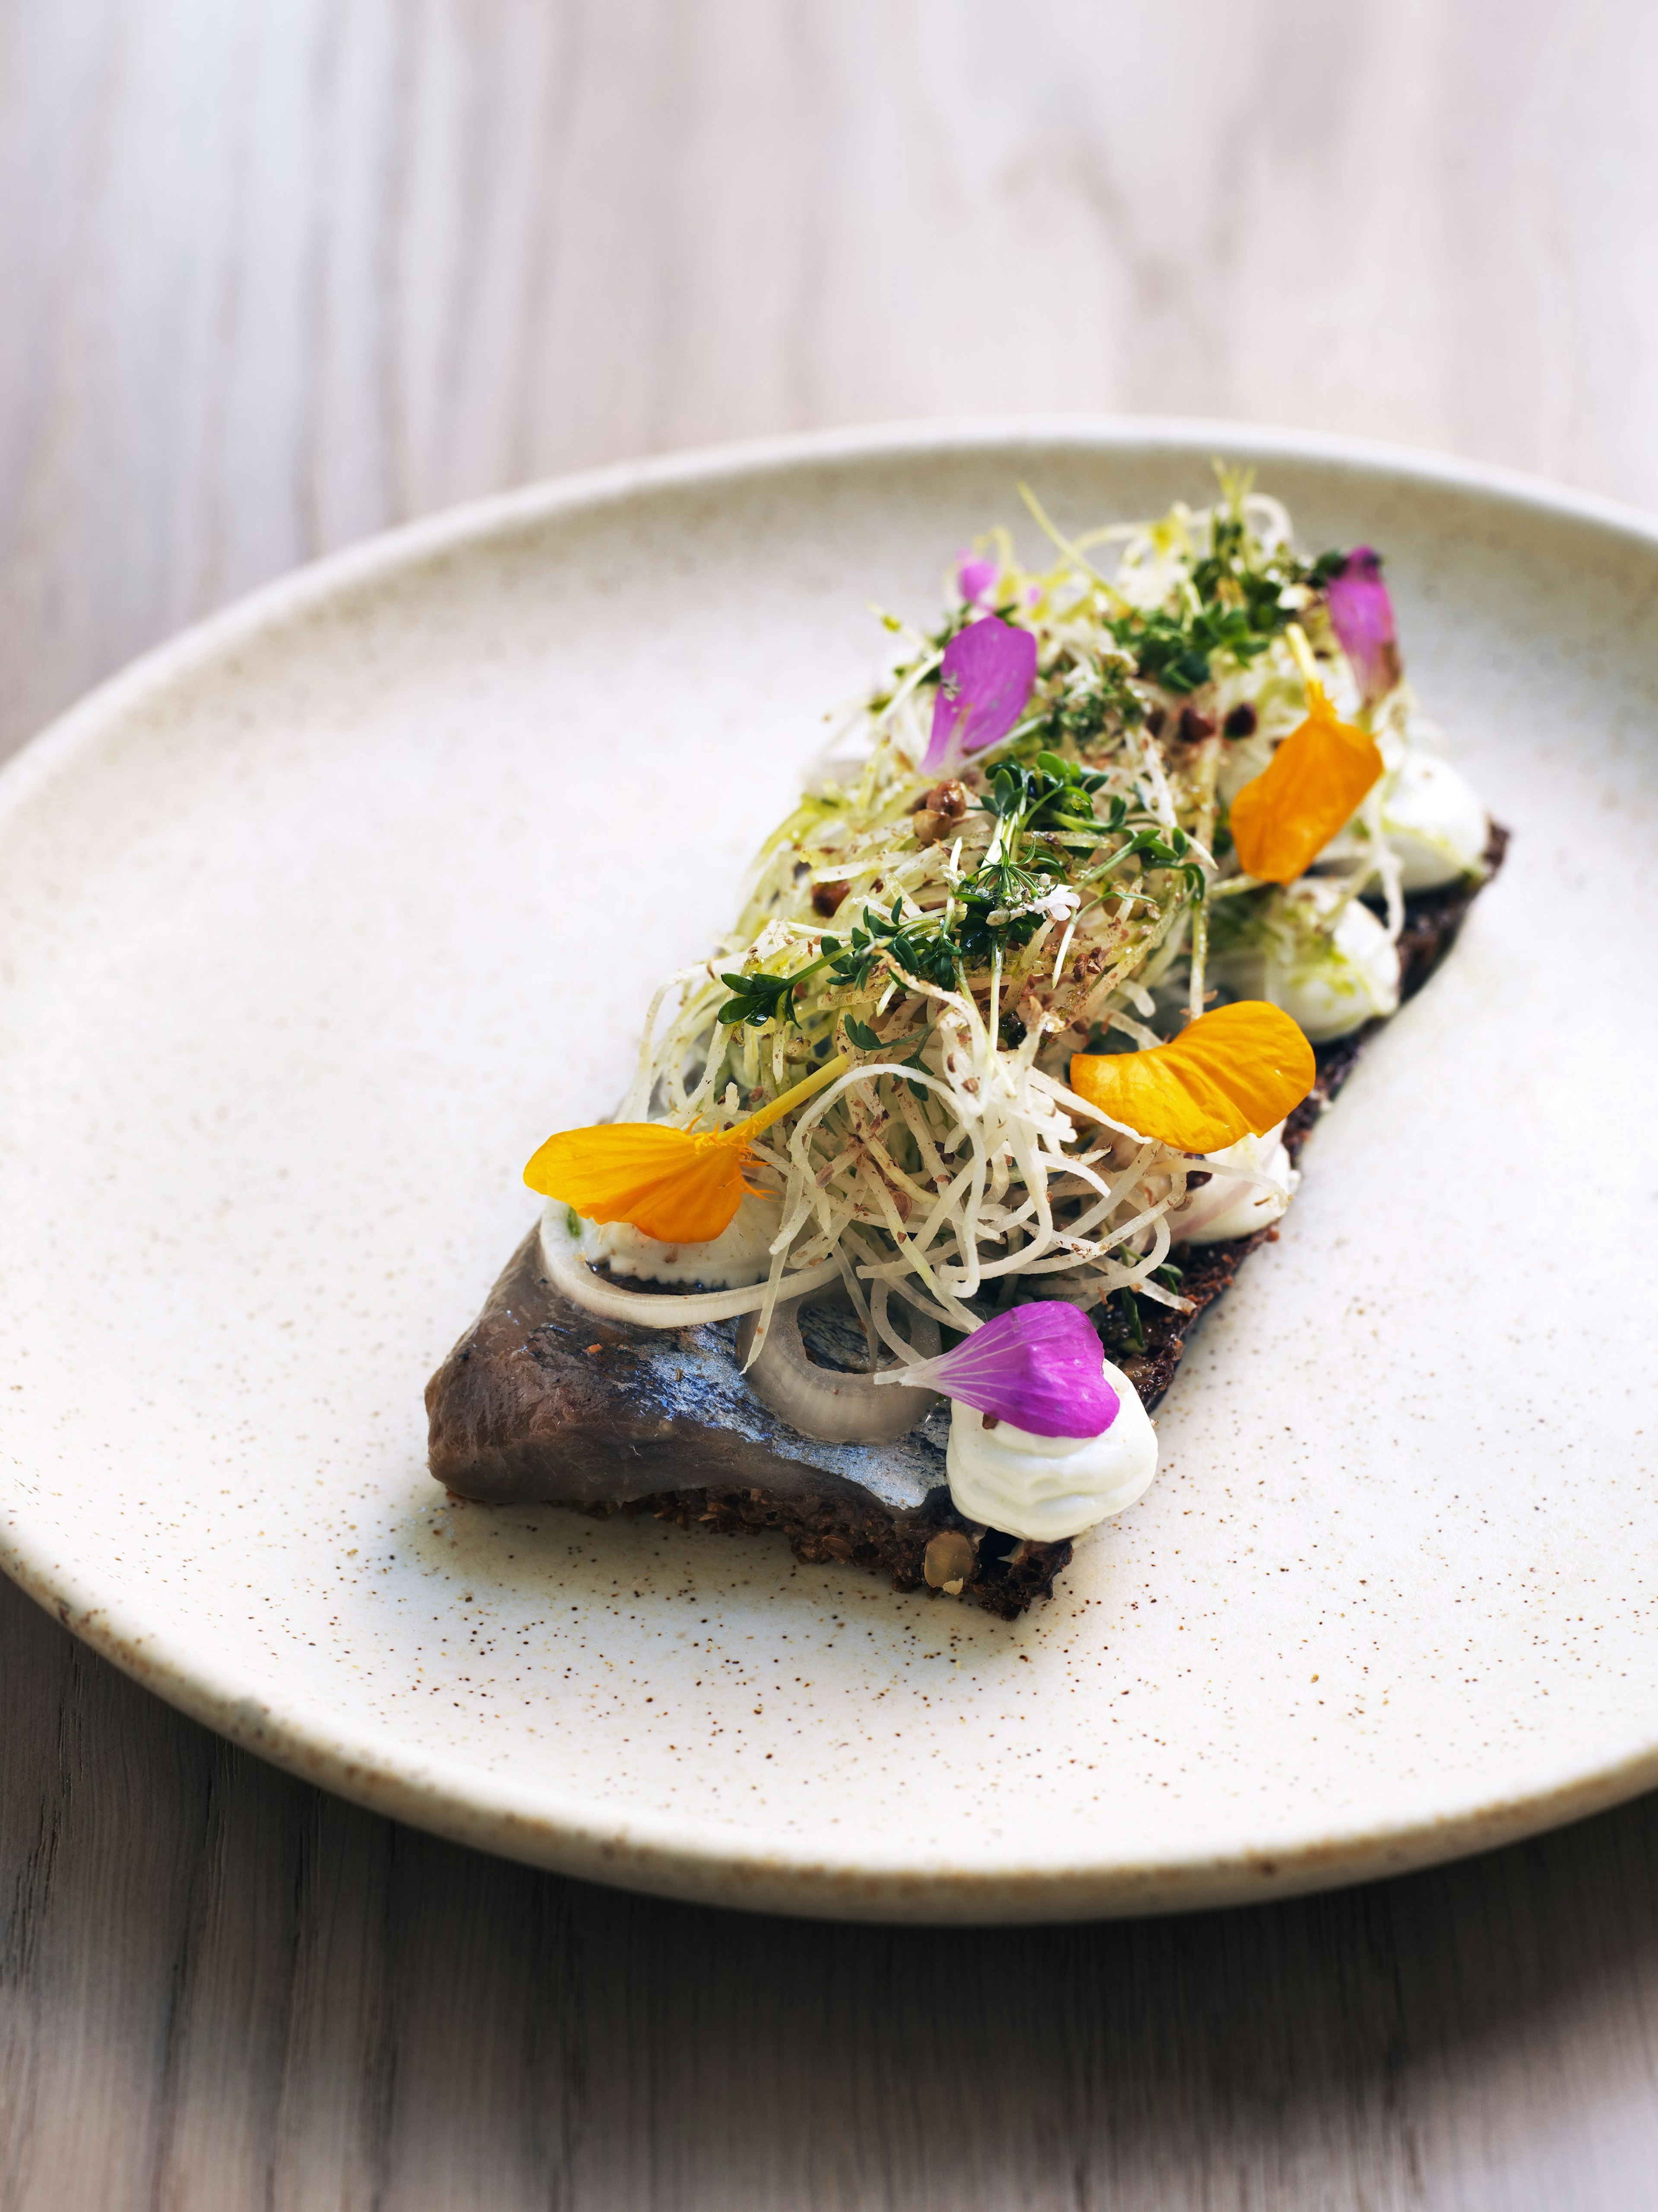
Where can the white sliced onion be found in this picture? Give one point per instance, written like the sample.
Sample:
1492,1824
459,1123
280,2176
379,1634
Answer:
836,1408
568,1271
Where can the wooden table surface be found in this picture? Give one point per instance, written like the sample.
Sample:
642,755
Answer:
276,273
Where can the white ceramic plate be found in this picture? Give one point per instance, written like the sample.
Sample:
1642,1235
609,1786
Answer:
317,922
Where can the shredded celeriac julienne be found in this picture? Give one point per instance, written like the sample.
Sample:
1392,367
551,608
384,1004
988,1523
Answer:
1084,897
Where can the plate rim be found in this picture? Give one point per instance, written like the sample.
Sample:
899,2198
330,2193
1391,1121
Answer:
670,1854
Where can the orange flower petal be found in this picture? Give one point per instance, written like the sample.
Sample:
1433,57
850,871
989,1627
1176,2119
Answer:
1231,1073
679,1185
682,1188
1283,821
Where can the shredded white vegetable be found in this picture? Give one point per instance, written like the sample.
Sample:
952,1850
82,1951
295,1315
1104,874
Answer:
1070,889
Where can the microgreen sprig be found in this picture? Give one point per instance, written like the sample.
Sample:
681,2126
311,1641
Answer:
761,998
1158,849
1052,794
918,944
866,1041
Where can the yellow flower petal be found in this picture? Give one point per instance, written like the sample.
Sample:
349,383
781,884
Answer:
1231,1073
1283,821
682,1187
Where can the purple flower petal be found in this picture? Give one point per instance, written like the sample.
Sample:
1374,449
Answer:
987,673
1361,615
976,575
1040,1368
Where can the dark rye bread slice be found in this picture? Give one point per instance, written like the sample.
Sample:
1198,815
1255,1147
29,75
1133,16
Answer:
543,1402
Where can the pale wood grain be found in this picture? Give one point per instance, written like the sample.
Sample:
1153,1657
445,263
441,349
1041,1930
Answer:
222,1988
275,275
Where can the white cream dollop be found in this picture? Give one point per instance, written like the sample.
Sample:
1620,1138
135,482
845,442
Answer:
1329,985
740,1254
1432,817
1047,1488
1236,1201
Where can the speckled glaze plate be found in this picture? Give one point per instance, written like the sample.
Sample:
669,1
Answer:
317,920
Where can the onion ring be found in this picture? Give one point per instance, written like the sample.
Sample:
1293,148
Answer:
569,1273
825,1402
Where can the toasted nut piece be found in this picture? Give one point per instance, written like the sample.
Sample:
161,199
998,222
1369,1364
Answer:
948,798
1193,726
826,897
937,812
1241,722
948,1559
